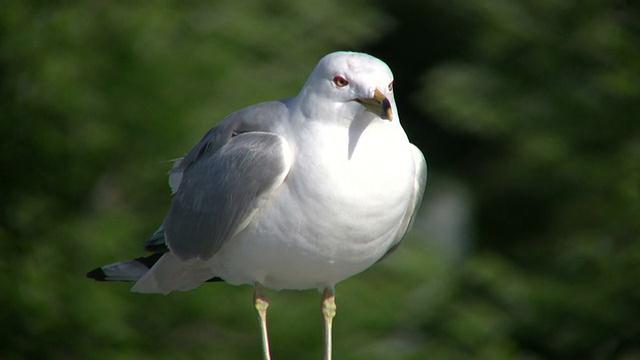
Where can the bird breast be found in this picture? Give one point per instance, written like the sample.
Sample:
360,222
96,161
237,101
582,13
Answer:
337,212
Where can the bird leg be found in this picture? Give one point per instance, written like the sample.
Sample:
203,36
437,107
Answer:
261,304
328,313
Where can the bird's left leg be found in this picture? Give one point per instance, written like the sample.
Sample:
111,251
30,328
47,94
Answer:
261,304
328,313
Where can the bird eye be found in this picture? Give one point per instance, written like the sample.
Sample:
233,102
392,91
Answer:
340,81
390,86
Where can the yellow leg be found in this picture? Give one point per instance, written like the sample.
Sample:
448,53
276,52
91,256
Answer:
261,304
328,313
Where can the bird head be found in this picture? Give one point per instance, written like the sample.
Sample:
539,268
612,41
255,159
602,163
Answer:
351,84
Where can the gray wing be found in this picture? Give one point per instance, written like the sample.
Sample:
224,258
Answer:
416,199
223,181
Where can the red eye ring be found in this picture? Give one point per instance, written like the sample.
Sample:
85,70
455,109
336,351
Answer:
340,82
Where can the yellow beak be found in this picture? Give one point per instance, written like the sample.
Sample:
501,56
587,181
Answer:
378,104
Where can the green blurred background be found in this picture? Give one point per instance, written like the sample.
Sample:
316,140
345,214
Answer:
528,246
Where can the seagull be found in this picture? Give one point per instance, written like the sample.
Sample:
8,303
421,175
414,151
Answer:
299,193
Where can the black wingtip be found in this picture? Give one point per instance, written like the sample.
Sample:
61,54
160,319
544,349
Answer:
97,274
150,260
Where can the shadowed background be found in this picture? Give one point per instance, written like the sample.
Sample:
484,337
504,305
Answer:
528,246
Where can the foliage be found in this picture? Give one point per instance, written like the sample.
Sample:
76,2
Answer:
549,88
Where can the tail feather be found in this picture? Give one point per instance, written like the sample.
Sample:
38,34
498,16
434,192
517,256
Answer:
130,270
171,273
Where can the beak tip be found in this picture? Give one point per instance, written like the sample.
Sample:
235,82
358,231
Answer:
387,110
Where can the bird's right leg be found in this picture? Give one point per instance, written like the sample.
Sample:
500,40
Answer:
328,313
261,304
